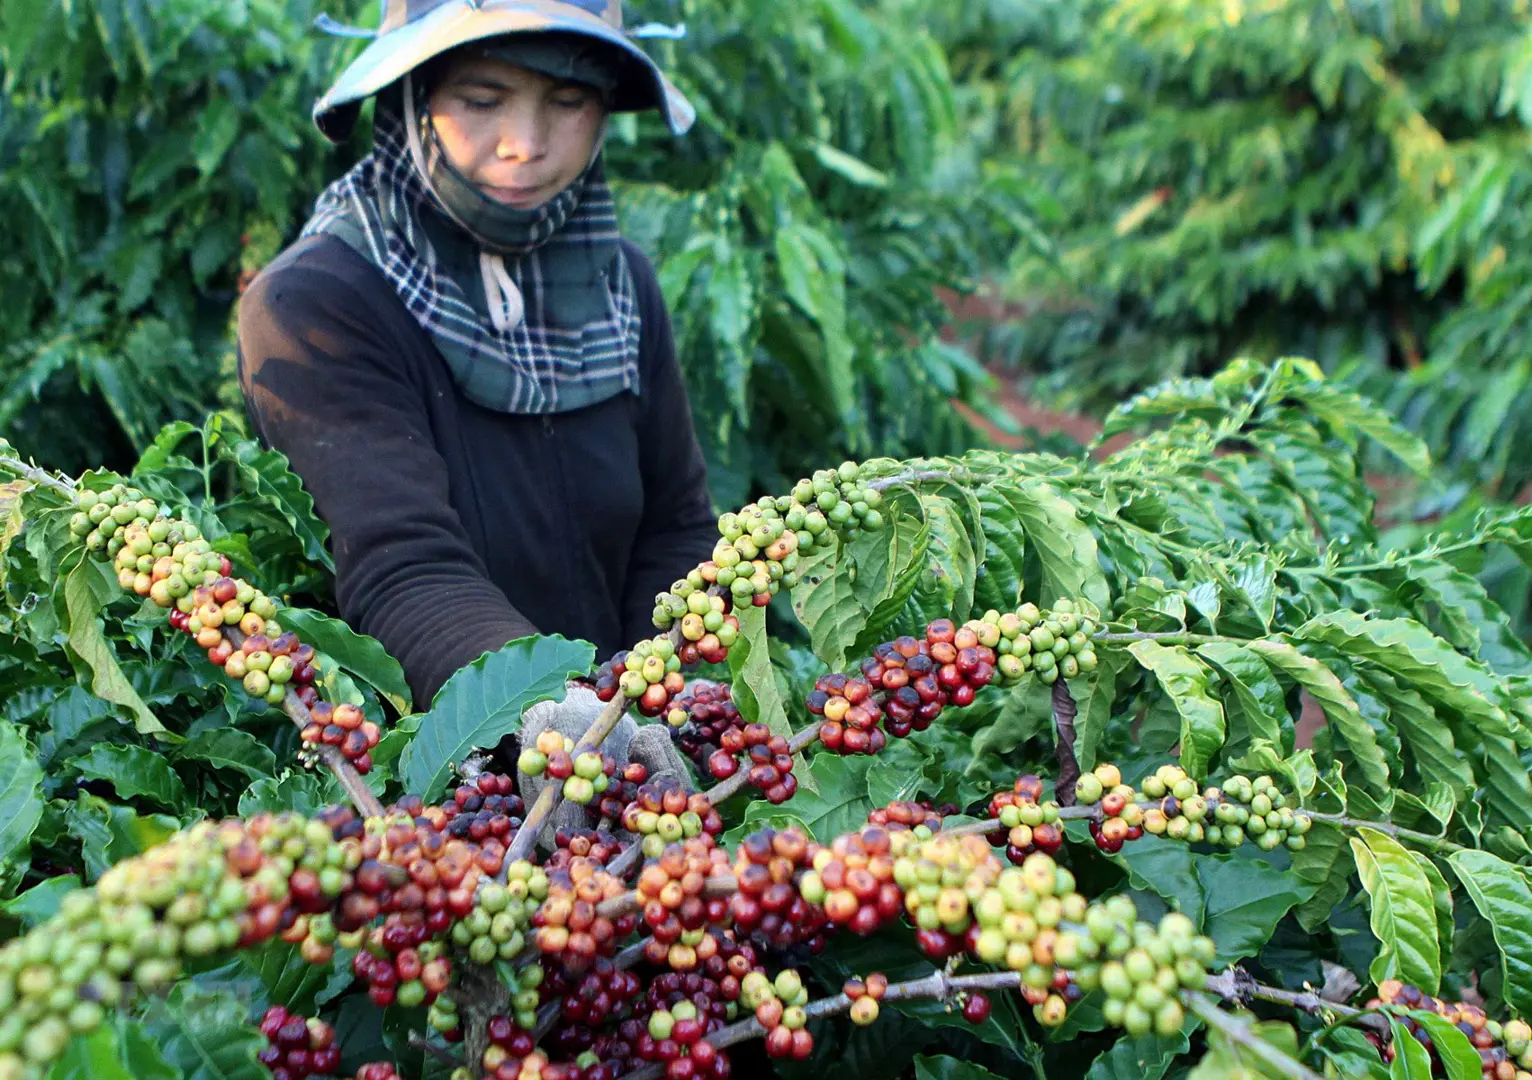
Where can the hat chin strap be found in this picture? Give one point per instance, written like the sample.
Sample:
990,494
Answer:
507,307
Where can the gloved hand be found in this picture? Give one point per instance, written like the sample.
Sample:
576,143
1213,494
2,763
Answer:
649,745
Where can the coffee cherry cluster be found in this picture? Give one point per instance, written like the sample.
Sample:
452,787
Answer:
1032,823
768,907
343,726
865,995
1505,1051
569,929
905,814
1142,969
597,845
700,717
675,1038
768,759
708,627
296,1047
650,674
501,913
210,888
585,775
903,686
1254,810
378,1070
676,909
663,813
938,877
778,1005
512,1053
486,808
588,1000
102,519
853,880
1052,643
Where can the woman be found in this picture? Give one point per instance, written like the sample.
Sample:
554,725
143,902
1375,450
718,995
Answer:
469,368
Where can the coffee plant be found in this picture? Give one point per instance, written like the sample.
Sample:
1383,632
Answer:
1050,809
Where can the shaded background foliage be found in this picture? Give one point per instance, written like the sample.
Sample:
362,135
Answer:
155,151
1343,179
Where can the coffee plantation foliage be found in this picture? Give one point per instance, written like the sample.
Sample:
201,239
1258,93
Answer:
1346,179
1225,571
158,152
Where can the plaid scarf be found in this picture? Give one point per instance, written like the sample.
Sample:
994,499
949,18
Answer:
575,340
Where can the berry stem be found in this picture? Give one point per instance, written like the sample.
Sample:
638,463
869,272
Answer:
1238,1032
1237,987
20,468
1064,711
421,1043
366,803
1425,840
722,790
1172,637
552,795
936,985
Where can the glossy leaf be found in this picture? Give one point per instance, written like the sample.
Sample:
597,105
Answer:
359,654
89,643
483,703
21,803
1185,679
135,773
1403,912
1503,897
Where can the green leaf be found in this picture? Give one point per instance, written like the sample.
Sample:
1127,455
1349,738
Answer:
359,654
292,981
97,1056
851,168
888,567
1339,706
88,640
1462,611
299,791
1094,707
1441,901
217,128
754,682
949,1068
21,802
230,748
1502,895
1255,581
841,804
206,1035
1002,571
11,518
1412,1061
1147,1057
1457,1054
1167,868
826,605
1347,413
1420,659
1185,679
1403,914
267,477
41,902
135,773
1428,740
814,277
483,703
109,833
1245,899
951,553
1063,544
1258,699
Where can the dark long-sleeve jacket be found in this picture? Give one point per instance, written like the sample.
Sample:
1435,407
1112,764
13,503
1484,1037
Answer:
456,528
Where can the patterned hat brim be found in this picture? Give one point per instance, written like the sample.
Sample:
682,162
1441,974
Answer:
398,52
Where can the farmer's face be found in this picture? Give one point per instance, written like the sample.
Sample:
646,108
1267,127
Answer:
519,135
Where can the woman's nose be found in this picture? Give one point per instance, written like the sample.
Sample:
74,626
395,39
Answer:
523,136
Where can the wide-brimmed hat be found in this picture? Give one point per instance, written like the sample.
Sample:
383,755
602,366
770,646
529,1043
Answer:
414,31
